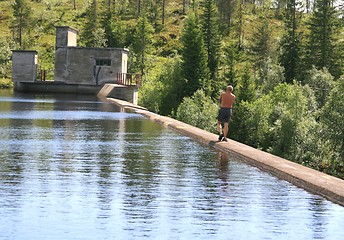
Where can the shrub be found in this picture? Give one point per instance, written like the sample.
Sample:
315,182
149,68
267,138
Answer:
199,111
6,83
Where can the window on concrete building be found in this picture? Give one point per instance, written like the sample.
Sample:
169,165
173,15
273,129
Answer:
103,62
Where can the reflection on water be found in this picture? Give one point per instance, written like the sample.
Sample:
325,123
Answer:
76,168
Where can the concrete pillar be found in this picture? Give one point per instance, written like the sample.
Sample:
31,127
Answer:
24,66
126,93
66,36
124,63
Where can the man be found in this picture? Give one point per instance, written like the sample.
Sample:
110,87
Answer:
225,113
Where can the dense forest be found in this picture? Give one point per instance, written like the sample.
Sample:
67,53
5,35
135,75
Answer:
285,59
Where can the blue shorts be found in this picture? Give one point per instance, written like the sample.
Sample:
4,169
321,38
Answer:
225,114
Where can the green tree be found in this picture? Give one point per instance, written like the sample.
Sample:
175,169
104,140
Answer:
163,10
21,22
269,76
240,23
172,80
232,58
119,33
6,44
291,41
154,9
281,122
194,58
212,38
332,119
162,94
93,35
199,111
107,25
142,42
247,87
99,38
239,124
91,19
90,27
322,46
290,110
251,122
280,5
321,82
227,10
262,39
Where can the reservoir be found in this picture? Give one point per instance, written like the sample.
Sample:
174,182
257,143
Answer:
73,167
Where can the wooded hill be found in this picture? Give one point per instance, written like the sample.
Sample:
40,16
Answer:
283,57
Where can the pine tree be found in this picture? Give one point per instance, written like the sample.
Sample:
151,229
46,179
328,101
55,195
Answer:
163,10
332,119
107,25
247,86
212,39
227,9
142,41
232,56
194,58
21,14
94,35
322,46
240,24
290,44
262,42
90,27
280,5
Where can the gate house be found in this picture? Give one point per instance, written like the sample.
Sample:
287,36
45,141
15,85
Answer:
82,65
77,70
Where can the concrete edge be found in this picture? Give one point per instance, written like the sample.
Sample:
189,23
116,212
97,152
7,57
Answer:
316,182
121,103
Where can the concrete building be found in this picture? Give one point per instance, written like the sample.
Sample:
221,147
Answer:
80,65
77,69
24,66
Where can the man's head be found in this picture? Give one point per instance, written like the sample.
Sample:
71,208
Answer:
229,88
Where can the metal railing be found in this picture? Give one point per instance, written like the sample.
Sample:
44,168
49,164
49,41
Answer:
126,79
129,79
44,74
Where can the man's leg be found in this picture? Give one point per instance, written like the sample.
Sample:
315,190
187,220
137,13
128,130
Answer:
226,125
225,129
219,128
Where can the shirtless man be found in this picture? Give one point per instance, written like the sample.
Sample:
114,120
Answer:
225,113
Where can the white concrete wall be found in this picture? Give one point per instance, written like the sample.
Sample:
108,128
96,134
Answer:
126,93
24,66
77,65
66,36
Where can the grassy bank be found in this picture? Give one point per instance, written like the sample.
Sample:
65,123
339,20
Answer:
6,83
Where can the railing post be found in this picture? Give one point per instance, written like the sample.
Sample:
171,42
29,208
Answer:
128,79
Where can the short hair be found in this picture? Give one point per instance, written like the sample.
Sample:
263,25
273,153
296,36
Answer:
230,88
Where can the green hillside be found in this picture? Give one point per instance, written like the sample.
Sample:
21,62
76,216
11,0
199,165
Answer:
45,14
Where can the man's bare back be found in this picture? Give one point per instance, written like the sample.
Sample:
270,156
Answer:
227,98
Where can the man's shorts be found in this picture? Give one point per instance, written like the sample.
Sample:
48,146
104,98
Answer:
225,114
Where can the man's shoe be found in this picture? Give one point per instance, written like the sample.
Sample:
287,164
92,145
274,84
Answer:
221,136
224,139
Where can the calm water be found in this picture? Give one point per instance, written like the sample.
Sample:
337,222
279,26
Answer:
76,168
